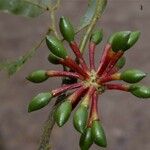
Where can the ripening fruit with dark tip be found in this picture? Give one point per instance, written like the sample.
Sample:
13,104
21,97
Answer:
56,46
62,113
97,36
134,36
121,62
39,101
119,40
37,76
86,139
53,59
132,75
66,29
140,91
98,134
80,118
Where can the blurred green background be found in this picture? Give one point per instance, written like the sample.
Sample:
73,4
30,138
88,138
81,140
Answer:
126,119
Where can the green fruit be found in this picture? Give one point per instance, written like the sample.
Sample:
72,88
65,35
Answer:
80,118
97,36
37,76
40,101
98,134
56,46
134,36
53,59
121,62
132,75
119,40
86,139
66,29
62,113
140,91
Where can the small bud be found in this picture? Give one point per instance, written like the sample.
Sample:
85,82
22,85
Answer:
119,40
132,75
56,46
86,139
40,101
53,59
37,76
66,29
62,113
97,36
134,36
140,91
80,118
98,134
121,62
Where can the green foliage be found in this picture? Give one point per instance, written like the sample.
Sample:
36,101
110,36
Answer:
62,113
80,118
86,139
26,8
98,134
91,10
39,101
38,76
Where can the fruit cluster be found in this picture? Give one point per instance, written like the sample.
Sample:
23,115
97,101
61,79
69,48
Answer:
90,82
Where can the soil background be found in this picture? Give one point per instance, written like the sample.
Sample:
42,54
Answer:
126,119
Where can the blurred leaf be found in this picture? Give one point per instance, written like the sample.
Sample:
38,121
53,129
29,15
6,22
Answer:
91,10
27,8
13,66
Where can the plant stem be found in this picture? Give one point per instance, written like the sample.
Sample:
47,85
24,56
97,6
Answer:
100,5
54,73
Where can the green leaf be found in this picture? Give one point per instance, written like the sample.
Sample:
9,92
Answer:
91,10
13,66
27,8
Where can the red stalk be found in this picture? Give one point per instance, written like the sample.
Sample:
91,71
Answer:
77,95
106,57
91,55
87,97
94,109
74,66
113,70
114,61
107,78
64,88
54,73
75,48
121,87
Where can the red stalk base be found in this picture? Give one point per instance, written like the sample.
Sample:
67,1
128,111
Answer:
64,88
92,47
78,54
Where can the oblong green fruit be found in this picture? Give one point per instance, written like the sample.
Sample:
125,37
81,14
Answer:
39,101
140,91
62,113
53,59
37,76
80,118
132,75
56,46
121,62
98,134
134,36
66,29
86,139
119,40
97,36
